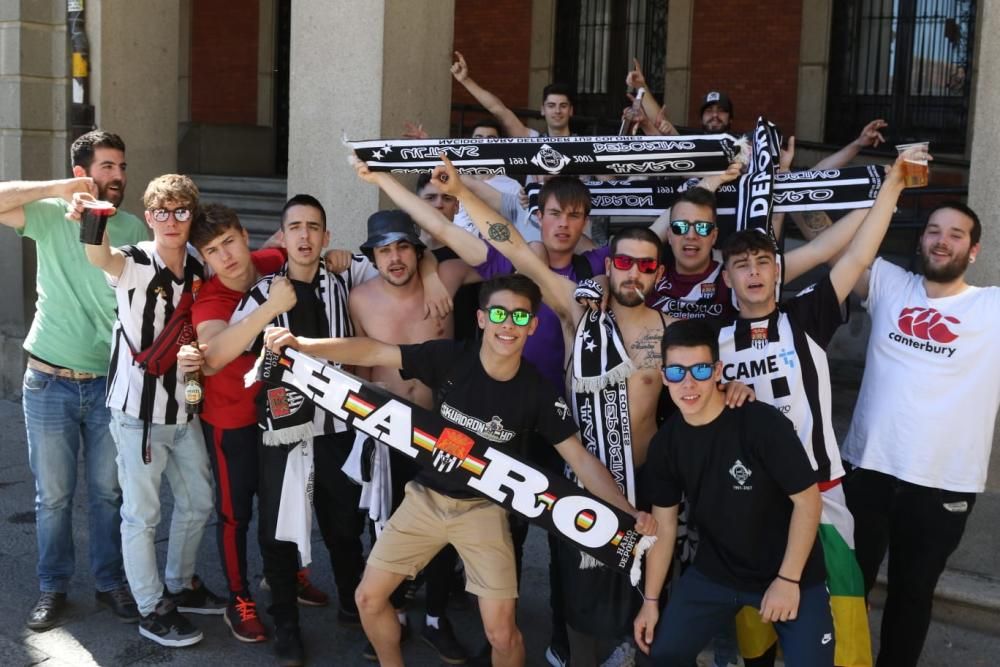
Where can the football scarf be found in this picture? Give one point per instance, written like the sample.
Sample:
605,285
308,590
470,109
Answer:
601,368
551,502
287,417
699,155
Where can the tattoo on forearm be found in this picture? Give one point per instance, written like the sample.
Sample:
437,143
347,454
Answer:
816,221
499,231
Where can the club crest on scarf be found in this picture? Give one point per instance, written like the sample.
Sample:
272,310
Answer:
550,159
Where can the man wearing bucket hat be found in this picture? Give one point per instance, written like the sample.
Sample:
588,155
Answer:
390,309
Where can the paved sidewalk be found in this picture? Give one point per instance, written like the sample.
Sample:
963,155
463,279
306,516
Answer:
89,635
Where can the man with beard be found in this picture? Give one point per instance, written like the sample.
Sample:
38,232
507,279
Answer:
69,346
391,309
615,387
918,449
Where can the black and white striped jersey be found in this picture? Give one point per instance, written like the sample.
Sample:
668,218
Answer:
147,293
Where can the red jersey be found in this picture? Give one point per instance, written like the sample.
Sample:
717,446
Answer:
228,404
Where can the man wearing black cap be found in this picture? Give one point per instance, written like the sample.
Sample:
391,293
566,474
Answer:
391,309
716,112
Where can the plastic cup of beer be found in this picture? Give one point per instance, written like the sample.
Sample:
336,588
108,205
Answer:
93,220
915,171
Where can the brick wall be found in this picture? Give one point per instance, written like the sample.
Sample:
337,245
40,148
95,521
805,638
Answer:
224,62
748,49
495,38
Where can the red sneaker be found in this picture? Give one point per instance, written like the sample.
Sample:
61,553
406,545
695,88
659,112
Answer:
308,594
241,617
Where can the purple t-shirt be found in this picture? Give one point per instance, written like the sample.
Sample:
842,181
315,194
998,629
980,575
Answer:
545,349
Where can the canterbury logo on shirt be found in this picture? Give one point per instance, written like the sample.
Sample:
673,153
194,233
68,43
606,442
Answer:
922,328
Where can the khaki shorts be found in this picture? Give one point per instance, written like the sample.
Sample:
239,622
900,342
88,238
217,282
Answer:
426,521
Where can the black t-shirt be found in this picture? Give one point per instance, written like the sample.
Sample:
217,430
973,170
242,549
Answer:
737,473
504,413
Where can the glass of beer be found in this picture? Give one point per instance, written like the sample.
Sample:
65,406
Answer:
915,171
93,220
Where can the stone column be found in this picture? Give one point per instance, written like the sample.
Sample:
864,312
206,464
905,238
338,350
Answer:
134,83
361,69
984,196
34,98
677,86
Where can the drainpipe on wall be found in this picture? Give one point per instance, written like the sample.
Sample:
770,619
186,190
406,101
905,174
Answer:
82,113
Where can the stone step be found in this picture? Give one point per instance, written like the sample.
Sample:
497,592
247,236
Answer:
963,599
244,184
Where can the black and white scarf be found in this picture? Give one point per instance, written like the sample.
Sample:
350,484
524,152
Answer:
698,155
601,368
288,418
549,501
794,191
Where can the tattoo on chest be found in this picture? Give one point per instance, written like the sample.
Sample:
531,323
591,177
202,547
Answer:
645,350
499,231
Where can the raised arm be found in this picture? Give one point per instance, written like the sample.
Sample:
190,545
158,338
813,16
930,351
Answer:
781,600
503,235
467,246
860,254
870,137
355,350
825,246
512,125
636,79
14,195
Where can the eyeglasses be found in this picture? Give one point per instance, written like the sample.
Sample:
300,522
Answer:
519,316
181,214
701,227
675,372
625,262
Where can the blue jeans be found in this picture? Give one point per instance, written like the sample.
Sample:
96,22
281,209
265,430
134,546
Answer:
700,607
178,452
59,416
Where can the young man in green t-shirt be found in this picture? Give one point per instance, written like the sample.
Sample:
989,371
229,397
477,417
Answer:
69,346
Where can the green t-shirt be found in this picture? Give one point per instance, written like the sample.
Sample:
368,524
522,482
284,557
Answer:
75,308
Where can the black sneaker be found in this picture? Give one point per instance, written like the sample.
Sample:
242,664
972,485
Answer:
368,652
46,611
168,627
288,646
198,599
442,639
121,602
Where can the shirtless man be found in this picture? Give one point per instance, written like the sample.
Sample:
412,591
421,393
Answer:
391,309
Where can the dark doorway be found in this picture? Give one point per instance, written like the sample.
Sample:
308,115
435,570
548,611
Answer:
594,46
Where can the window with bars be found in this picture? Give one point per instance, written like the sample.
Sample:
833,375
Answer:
595,43
907,61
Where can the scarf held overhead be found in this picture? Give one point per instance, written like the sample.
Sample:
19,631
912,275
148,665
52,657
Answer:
699,155
551,502
794,191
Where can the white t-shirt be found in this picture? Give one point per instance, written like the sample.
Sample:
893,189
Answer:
147,293
931,388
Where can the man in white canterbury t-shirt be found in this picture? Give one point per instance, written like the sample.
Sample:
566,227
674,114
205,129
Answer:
922,431
154,435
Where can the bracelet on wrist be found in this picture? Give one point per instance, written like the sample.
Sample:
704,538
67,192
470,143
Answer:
791,581
649,599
